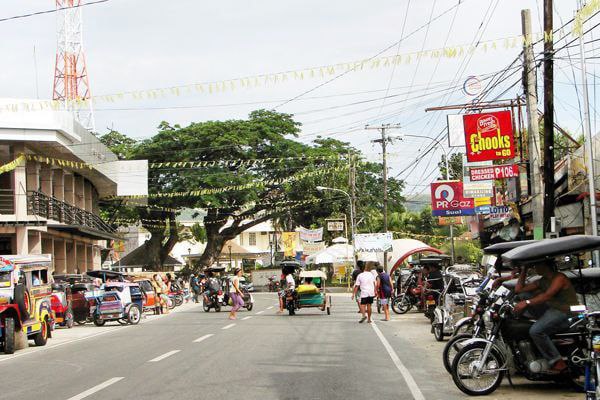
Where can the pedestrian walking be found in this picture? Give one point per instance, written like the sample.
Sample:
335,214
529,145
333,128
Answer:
385,288
365,282
237,297
360,267
195,287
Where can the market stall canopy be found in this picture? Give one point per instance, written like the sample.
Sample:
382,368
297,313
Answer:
404,248
340,239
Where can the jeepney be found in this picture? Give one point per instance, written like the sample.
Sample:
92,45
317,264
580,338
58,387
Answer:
25,302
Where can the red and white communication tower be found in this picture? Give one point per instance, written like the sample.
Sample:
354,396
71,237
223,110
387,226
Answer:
71,83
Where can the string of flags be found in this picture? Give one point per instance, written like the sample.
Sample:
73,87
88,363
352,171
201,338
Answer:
13,164
238,163
245,186
271,79
425,236
584,14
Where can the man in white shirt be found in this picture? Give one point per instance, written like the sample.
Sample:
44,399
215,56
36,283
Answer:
365,281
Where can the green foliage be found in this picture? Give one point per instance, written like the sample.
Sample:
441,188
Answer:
119,144
464,251
456,167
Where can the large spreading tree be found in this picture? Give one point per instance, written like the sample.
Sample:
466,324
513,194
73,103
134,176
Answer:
262,171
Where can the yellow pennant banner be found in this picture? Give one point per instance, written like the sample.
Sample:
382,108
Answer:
276,78
584,14
17,162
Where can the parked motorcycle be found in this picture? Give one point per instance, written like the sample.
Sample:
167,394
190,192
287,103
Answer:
479,367
411,294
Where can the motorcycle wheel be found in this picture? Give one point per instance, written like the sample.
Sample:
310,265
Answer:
249,308
438,331
463,370
205,307
290,307
452,348
171,304
401,305
217,307
178,300
98,321
576,374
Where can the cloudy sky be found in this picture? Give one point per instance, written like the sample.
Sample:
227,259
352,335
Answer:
148,44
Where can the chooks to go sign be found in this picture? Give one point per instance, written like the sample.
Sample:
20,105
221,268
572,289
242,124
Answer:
489,136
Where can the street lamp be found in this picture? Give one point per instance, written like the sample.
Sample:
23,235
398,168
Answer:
322,189
439,145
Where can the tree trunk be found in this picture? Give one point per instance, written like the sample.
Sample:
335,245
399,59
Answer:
157,249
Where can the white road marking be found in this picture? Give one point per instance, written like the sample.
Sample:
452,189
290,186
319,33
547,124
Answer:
408,378
95,389
200,339
248,317
260,312
168,354
104,332
228,326
269,308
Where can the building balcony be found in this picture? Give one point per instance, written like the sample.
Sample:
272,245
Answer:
71,218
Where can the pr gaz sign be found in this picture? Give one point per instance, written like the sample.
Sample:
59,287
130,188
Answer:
489,136
447,200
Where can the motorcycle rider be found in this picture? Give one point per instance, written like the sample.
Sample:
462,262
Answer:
556,293
288,283
212,287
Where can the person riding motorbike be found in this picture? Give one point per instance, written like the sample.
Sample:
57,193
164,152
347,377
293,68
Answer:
212,286
435,281
555,294
288,283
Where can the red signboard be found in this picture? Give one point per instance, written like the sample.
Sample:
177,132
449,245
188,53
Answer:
489,136
493,172
447,200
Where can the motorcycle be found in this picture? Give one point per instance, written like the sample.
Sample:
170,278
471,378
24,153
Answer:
479,367
411,294
273,284
214,300
591,321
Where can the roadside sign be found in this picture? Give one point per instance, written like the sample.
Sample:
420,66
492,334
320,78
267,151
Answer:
445,221
456,130
489,136
478,189
447,199
494,172
333,226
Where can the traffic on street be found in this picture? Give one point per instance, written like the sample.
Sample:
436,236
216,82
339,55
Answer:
299,200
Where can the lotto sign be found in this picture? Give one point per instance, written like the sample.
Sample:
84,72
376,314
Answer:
494,172
447,200
489,136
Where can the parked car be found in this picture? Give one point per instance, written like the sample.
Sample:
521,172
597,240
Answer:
25,303
121,302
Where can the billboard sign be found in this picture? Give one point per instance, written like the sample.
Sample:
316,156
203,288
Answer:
447,200
335,226
373,242
489,136
456,130
494,172
478,189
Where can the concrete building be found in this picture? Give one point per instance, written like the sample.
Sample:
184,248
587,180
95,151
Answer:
51,207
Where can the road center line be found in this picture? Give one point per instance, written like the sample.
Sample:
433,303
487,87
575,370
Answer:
228,326
202,338
408,378
248,317
95,389
260,312
168,354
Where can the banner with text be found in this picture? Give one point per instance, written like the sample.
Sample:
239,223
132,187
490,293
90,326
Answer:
310,235
289,240
373,242
494,172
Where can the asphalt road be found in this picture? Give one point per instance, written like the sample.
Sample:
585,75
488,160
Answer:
191,354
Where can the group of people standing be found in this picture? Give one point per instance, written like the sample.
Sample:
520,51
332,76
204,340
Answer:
371,282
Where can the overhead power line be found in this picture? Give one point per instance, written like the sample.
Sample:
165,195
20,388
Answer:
33,14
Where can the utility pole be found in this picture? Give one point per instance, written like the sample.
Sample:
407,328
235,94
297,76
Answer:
533,128
384,139
589,146
548,115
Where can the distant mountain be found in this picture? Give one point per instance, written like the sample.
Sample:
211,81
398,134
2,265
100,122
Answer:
417,203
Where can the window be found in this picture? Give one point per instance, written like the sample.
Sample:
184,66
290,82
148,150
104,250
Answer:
252,239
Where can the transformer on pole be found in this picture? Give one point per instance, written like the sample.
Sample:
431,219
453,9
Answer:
71,82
